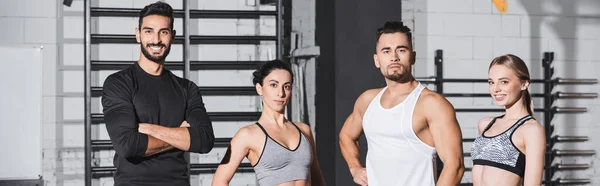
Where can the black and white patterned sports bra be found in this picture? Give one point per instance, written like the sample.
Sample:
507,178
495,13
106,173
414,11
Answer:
499,151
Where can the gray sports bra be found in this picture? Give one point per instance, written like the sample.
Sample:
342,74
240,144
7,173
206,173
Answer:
499,151
278,164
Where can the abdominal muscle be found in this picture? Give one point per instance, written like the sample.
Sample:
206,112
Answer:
492,176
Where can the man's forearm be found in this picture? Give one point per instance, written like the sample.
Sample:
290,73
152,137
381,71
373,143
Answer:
451,174
156,146
177,137
350,152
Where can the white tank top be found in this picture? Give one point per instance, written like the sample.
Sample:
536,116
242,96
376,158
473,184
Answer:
396,156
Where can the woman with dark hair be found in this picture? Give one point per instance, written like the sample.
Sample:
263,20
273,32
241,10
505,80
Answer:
509,149
282,152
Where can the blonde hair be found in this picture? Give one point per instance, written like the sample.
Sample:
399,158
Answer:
517,65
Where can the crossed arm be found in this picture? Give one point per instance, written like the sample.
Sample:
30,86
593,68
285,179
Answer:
195,136
161,138
131,139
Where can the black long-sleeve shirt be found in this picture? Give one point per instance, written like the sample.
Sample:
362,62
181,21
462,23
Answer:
132,96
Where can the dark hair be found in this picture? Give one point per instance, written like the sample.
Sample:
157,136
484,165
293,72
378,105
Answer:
391,27
265,69
158,8
517,65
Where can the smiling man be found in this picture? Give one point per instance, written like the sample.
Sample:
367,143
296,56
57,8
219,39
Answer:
151,115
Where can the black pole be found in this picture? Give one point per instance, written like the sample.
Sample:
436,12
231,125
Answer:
279,30
439,71
546,64
87,94
186,39
279,25
439,88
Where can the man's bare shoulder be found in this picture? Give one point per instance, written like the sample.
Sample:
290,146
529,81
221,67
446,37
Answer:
368,95
365,99
433,100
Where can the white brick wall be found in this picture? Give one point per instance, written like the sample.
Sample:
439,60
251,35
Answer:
26,25
473,32
14,33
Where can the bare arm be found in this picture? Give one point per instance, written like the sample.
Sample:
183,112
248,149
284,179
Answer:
535,146
238,149
349,134
176,137
447,138
316,174
156,146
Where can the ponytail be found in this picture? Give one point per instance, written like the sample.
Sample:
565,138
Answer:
527,101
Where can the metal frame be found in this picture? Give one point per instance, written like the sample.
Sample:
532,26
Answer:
98,118
186,41
195,14
99,172
186,65
279,27
193,39
87,93
107,144
180,65
206,91
549,98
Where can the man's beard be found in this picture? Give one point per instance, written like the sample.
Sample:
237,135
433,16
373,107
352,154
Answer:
400,77
157,59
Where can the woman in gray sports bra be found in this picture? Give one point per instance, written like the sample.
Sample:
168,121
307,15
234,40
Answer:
281,152
509,149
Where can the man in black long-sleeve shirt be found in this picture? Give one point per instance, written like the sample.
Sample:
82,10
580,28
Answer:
151,115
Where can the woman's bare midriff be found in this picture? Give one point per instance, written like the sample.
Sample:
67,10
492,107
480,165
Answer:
296,183
494,177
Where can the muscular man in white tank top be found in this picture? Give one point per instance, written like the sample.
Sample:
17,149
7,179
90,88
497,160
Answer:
406,124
